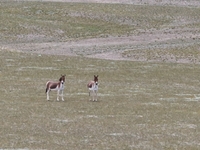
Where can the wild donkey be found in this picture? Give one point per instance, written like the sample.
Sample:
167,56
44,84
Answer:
57,86
93,87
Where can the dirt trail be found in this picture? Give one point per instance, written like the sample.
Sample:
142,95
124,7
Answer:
113,47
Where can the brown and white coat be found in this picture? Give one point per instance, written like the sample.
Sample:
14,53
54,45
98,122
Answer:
56,86
93,87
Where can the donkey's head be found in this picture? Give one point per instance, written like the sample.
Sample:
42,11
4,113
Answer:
96,79
62,79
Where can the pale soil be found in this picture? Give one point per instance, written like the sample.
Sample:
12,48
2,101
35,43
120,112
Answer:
113,47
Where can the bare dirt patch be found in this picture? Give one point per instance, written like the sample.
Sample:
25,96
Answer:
116,48
113,48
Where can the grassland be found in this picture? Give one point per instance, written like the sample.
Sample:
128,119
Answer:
187,54
53,22
142,105
130,30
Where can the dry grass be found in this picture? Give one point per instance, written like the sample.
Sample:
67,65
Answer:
180,54
52,22
141,105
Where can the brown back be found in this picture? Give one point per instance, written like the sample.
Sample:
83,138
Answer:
89,85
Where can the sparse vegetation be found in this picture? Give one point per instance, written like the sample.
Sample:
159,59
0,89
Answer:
188,54
53,22
142,105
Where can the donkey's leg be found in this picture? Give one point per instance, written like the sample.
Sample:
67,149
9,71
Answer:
47,94
58,94
89,95
96,95
62,96
93,94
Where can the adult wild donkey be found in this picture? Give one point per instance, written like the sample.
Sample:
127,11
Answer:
93,87
57,86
